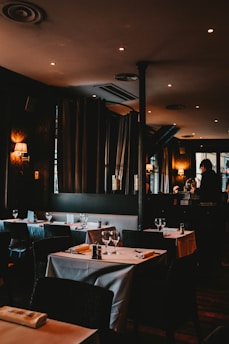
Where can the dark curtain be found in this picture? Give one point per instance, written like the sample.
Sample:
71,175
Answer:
93,144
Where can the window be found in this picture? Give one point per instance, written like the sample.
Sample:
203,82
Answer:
220,164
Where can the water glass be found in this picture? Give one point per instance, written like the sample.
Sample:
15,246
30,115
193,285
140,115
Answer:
115,237
106,238
48,216
15,213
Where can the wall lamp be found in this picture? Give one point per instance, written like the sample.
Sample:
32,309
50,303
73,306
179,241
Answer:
149,168
21,150
180,172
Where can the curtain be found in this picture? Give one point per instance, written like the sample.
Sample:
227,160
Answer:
94,144
164,181
81,132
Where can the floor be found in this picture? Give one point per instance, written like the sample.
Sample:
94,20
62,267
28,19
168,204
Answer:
212,298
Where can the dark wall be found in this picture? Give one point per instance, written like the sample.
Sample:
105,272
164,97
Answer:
95,203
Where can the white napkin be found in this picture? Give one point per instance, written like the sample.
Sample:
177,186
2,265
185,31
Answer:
23,316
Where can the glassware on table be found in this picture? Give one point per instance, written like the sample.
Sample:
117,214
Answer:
157,222
48,216
15,213
163,223
115,237
106,238
83,220
181,227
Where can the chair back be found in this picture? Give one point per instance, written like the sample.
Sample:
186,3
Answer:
74,302
54,230
42,248
143,239
95,236
4,252
20,238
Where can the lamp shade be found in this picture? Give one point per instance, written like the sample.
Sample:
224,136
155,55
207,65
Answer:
20,147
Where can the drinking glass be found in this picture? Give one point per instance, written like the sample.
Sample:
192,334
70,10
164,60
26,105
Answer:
106,238
48,216
163,223
15,213
157,222
115,237
83,220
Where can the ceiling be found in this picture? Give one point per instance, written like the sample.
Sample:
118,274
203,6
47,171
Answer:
83,38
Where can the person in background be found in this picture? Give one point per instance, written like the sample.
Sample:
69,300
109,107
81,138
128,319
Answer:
209,190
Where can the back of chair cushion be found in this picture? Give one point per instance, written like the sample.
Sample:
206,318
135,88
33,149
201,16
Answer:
74,302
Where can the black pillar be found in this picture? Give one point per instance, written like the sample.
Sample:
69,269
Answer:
142,65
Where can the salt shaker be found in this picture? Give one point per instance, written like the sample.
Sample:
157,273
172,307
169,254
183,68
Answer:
182,228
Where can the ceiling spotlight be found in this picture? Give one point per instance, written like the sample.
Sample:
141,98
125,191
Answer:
126,77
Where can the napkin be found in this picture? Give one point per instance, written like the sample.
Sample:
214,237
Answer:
80,248
23,316
145,254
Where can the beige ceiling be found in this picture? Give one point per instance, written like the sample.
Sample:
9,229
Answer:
83,36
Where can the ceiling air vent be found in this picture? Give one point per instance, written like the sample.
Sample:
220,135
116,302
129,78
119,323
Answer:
117,92
23,12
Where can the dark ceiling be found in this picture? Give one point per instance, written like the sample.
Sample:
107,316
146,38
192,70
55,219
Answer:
83,39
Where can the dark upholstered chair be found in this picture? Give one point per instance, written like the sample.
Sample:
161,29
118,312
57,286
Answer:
142,239
5,263
74,302
20,239
169,303
51,229
42,248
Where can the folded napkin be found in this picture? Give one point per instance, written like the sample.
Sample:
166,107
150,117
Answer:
23,316
145,254
80,248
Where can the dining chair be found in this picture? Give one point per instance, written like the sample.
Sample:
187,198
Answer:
169,303
51,230
142,239
5,264
42,248
75,302
20,242
95,235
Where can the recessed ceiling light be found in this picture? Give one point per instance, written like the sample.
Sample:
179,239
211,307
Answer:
52,63
121,48
210,30
197,106
169,85
216,120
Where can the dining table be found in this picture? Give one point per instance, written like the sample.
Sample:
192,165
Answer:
185,241
53,331
114,271
79,235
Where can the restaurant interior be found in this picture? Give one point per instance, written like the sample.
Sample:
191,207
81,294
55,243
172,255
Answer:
108,112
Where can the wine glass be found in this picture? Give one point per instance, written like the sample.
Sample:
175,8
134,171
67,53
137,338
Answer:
85,220
15,213
157,222
82,220
163,223
106,238
48,216
115,237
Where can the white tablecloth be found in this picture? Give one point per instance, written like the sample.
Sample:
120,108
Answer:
114,272
185,243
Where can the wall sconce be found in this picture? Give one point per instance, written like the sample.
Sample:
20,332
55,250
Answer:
149,168
180,172
21,151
